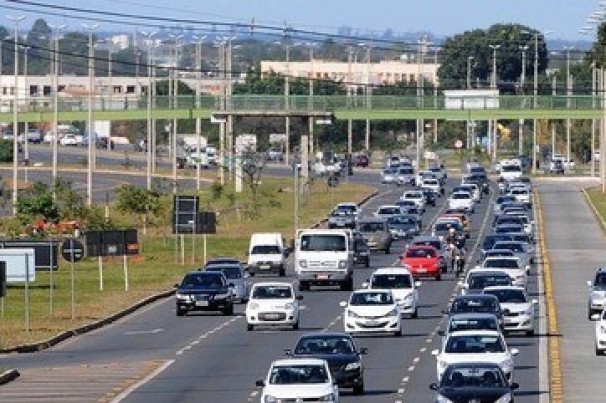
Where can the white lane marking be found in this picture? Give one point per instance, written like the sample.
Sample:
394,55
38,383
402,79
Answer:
205,335
142,382
416,360
423,349
139,332
411,368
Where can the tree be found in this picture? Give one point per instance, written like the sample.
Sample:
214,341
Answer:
37,201
38,38
138,201
6,150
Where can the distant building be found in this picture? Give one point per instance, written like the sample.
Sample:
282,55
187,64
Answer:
383,72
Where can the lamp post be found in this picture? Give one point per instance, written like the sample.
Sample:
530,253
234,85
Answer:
568,95
175,102
494,142
91,137
199,41
26,128
55,90
287,101
16,20
148,151
311,98
469,59
523,48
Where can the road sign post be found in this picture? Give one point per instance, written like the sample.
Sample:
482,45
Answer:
72,250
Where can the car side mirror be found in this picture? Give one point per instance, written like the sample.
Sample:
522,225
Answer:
299,297
260,383
514,386
343,304
595,316
363,351
514,351
433,386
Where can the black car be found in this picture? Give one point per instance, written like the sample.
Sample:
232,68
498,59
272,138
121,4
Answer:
479,179
478,280
473,382
340,352
204,291
361,251
430,196
481,303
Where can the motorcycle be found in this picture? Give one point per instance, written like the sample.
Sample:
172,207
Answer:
457,258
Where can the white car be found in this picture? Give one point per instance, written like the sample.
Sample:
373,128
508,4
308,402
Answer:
518,309
402,285
272,304
461,200
298,380
433,184
487,346
372,311
510,265
473,189
71,140
522,195
416,196
387,210
519,250
600,332
510,172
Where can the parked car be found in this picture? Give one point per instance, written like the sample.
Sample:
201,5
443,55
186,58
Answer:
340,351
294,379
204,291
273,304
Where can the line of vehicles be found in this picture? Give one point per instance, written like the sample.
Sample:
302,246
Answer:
474,359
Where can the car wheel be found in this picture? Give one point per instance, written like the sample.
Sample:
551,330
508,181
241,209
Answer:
387,249
282,272
228,311
347,285
598,351
303,286
249,328
398,333
589,315
415,314
530,333
358,389
367,265
295,326
180,312
439,277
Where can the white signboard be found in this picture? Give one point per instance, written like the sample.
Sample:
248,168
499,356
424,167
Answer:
20,264
471,99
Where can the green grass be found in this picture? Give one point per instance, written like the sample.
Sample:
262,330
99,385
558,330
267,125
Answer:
158,267
599,201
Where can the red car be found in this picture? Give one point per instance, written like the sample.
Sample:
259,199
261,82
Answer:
361,161
422,261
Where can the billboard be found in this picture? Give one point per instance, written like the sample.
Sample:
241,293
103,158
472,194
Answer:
471,99
20,266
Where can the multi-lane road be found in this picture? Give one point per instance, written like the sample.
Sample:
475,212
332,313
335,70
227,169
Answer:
154,356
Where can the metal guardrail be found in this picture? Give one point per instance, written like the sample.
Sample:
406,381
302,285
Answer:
308,103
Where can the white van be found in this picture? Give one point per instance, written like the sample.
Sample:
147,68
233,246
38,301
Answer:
266,254
324,257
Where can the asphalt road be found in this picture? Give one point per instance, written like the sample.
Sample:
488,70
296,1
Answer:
164,358
576,246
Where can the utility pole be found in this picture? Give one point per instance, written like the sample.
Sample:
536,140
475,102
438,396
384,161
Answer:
91,137
199,42
26,125
150,123
175,103
535,103
523,48
287,101
568,99
495,141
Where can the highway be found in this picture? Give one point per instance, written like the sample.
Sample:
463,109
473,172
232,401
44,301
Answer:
154,356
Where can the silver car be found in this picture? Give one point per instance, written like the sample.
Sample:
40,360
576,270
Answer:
389,175
376,233
235,275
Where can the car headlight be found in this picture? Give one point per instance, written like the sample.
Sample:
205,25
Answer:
327,398
352,314
303,263
185,297
507,365
442,399
253,305
289,305
393,312
270,399
352,366
342,264
506,398
442,364
529,311
408,298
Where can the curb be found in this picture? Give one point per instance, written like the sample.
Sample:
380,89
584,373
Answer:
43,345
594,209
9,376
555,365
360,204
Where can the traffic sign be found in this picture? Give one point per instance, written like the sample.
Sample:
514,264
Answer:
458,144
72,250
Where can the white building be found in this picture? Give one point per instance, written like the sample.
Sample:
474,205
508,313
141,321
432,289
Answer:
383,72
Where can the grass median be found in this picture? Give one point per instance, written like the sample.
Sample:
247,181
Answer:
599,201
158,267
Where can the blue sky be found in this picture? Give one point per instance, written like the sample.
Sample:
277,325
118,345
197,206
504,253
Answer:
441,17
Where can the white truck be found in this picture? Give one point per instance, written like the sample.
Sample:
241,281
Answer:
324,257
266,254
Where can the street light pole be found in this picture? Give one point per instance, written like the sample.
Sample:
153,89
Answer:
91,137
287,102
523,48
535,102
16,21
175,102
568,95
26,128
148,151
494,142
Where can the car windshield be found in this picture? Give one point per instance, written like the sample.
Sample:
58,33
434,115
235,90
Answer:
504,199
508,295
470,304
345,208
265,250
406,203
476,376
490,240
420,253
600,280
474,344
389,281
413,195
481,323
478,281
401,220
389,210
231,272
435,243
371,298
498,253
514,247
323,243
378,226
390,171
405,171
201,280
508,220
324,345
502,263
445,226
511,168
272,292
503,229
461,196
298,374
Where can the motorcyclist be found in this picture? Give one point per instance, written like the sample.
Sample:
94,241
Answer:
451,238
457,253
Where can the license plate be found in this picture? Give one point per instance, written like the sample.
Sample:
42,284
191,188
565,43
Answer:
264,267
372,323
322,276
272,316
201,303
